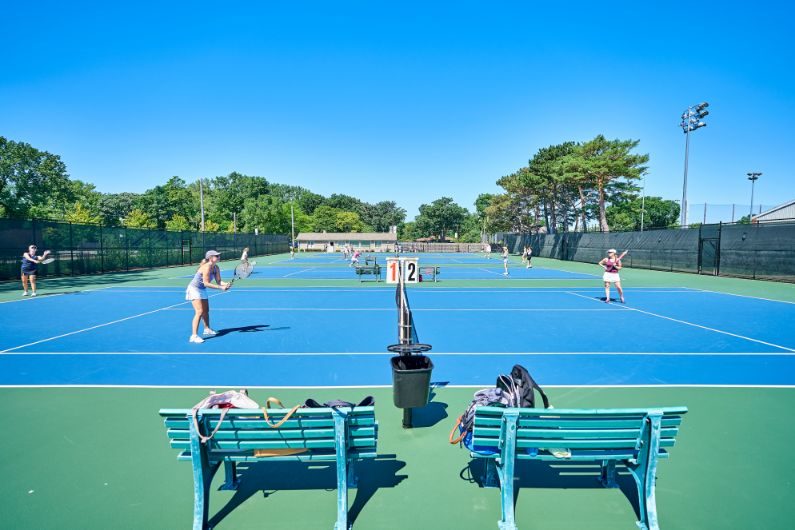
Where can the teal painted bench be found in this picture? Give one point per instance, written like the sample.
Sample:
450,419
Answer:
634,438
429,273
374,270
341,435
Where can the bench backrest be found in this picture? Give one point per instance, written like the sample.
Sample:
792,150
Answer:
613,433
246,429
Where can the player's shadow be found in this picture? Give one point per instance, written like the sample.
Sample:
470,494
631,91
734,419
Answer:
254,328
430,414
558,475
272,477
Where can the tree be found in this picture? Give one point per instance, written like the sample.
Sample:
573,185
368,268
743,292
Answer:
30,178
325,219
139,219
344,202
408,231
348,222
602,161
439,217
382,215
115,207
178,223
82,215
162,203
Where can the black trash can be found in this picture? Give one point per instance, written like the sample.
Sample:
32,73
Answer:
411,380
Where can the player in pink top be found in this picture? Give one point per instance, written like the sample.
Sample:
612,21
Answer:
355,258
612,265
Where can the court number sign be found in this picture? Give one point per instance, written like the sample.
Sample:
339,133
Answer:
407,267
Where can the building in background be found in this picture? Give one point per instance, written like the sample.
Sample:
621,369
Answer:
369,241
782,212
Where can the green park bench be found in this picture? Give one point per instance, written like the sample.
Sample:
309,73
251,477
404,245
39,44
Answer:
634,438
372,270
429,273
338,435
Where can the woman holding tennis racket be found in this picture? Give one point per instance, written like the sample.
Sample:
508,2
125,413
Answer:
612,264
196,293
30,266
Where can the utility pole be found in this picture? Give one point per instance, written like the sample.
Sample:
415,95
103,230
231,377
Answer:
201,201
691,120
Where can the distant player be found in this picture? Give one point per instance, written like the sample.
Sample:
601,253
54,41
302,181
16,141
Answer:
244,256
30,266
355,258
612,265
505,260
196,293
524,255
292,250
529,257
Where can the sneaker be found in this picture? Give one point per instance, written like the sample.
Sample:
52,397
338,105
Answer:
505,274
25,293
209,332
622,300
33,293
197,339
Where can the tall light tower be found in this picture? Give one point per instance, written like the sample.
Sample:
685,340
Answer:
753,177
692,119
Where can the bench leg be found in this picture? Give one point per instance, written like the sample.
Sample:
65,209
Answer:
645,472
608,475
505,470
490,478
203,474
230,476
342,471
353,479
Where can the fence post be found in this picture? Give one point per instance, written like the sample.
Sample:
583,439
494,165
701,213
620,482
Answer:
71,251
717,249
101,250
126,249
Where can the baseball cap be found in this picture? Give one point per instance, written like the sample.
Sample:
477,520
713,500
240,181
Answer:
211,253
611,251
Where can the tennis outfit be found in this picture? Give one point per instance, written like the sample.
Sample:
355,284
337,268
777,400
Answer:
196,289
611,271
29,266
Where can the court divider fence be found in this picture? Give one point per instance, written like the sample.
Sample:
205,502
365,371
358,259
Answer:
764,251
89,249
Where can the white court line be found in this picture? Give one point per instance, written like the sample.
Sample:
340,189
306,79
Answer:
435,353
299,272
744,296
695,325
437,387
98,326
446,309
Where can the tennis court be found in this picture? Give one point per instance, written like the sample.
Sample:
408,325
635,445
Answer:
306,327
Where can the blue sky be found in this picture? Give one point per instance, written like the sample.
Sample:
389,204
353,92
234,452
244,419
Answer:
401,101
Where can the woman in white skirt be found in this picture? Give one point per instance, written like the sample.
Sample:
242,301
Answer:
612,265
196,293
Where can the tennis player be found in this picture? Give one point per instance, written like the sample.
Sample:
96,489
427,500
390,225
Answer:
505,260
612,265
197,293
355,258
30,266
244,256
529,257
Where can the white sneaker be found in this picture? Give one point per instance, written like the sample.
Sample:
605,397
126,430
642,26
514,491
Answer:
209,332
197,339
505,274
24,293
33,293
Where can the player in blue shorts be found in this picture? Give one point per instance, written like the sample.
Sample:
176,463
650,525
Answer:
30,266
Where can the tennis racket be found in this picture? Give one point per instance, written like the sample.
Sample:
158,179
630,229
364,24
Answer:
623,254
47,261
242,271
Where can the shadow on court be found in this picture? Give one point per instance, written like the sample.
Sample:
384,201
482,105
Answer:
430,414
272,477
557,475
255,328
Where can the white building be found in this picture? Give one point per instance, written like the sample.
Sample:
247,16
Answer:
368,241
782,212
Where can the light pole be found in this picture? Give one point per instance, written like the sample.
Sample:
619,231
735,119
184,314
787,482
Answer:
643,203
753,177
201,201
691,120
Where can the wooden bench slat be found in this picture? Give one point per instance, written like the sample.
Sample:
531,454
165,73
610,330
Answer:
277,444
304,457
274,434
256,424
596,434
607,423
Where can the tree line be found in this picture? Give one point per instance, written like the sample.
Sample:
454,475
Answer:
568,186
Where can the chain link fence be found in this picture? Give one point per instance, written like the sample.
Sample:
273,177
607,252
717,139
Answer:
91,249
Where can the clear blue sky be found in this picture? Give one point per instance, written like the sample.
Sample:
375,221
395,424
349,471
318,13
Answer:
401,101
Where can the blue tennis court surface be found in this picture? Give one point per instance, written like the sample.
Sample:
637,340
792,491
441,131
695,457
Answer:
338,337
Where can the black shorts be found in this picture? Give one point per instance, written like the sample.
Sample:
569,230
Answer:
29,271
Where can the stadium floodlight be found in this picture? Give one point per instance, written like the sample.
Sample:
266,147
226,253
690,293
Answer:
753,177
692,119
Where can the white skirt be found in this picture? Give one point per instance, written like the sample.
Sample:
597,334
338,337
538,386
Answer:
194,293
611,277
